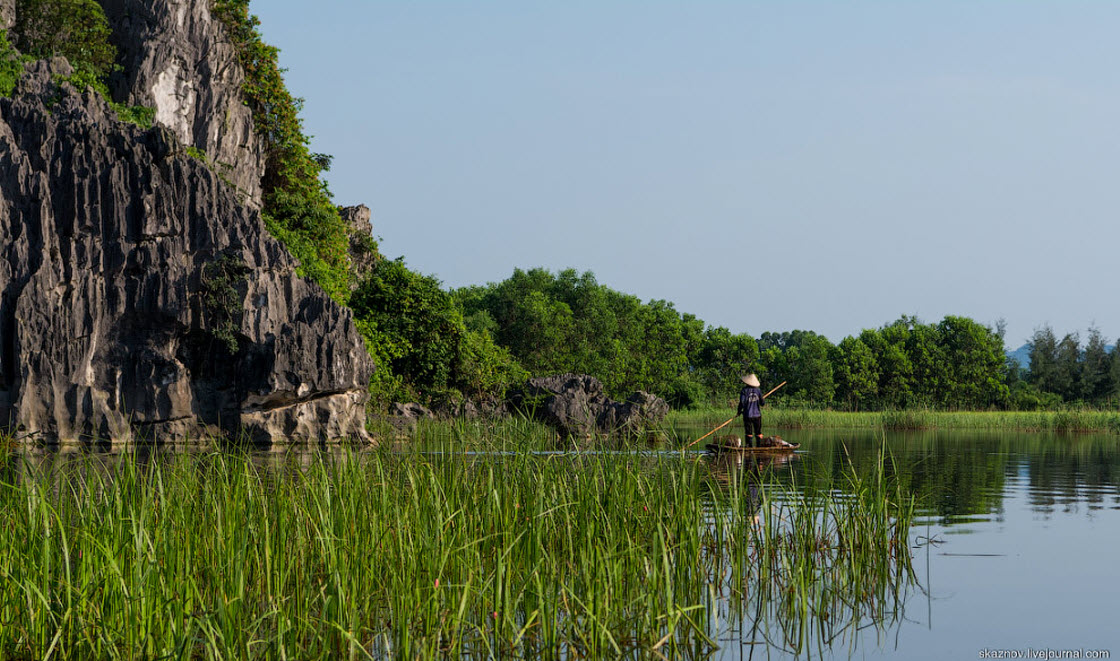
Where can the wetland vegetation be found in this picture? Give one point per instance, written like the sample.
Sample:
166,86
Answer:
489,539
1071,420
383,555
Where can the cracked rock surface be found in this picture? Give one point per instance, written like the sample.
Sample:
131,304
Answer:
141,298
178,59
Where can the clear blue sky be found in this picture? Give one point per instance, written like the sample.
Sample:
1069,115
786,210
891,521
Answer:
763,165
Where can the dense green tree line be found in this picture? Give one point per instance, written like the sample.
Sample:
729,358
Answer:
1066,372
423,348
537,323
569,322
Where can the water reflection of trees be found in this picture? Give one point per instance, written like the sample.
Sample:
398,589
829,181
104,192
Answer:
1065,473
957,474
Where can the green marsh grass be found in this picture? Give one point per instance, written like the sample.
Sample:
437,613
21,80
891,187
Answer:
915,419
414,555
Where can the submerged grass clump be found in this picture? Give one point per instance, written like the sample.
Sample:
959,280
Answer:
420,556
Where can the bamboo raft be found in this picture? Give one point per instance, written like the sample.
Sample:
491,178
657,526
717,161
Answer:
716,448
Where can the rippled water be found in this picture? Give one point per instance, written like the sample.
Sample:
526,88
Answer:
1015,548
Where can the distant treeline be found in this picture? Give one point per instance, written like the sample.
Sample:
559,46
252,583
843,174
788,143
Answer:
1065,371
473,343
569,322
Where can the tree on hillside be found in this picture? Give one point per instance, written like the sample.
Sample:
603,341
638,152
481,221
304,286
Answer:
74,29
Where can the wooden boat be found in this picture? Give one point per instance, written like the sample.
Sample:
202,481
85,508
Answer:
779,447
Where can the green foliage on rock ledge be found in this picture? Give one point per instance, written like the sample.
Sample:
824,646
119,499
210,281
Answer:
221,298
76,30
10,65
415,328
297,204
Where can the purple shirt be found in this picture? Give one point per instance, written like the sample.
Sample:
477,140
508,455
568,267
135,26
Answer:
750,402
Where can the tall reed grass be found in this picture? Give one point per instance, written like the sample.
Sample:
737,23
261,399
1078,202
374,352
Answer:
919,419
422,556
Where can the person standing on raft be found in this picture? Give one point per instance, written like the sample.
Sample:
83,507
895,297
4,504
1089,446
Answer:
750,407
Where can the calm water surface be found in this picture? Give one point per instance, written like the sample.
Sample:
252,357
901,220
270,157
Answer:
1015,549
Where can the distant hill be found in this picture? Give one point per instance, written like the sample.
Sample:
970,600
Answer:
1022,355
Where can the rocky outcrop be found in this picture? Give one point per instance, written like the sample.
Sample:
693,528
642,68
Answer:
640,410
402,417
177,59
576,405
7,14
139,298
363,250
411,410
488,406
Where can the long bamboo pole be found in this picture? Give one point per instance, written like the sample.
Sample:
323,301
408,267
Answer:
772,391
710,433
775,389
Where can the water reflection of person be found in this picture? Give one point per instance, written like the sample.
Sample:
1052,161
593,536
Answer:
750,407
728,468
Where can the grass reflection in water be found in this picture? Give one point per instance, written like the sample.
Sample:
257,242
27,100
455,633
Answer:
391,555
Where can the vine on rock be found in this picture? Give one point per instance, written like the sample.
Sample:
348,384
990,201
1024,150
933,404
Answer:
297,203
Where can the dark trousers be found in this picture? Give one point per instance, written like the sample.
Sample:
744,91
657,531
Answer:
748,425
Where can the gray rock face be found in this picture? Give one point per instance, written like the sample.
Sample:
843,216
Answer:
7,14
177,59
362,255
127,269
410,410
640,410
402,417
487,407
575,405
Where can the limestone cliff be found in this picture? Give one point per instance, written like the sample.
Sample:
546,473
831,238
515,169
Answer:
176,58
128,269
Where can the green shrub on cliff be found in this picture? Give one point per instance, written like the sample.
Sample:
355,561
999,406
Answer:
415,328
10,66
76,30
297,203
